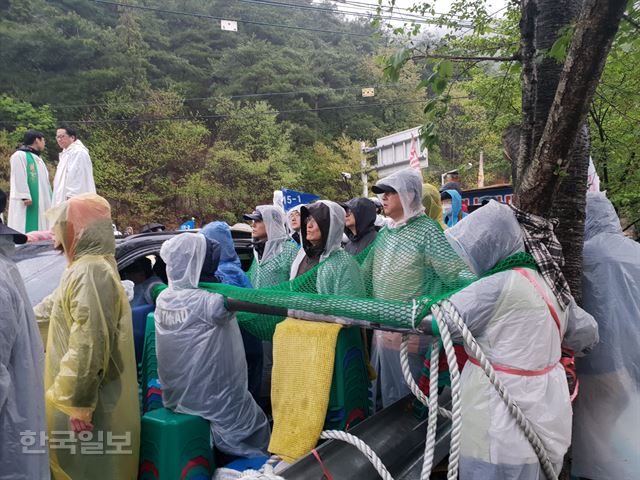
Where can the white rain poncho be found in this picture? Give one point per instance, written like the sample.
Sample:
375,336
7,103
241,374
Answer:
338,273
21,378
279,250
74,174
293,234
408,261
201,360
514,327
606,435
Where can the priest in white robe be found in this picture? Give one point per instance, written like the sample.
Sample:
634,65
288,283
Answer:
30,191
74,174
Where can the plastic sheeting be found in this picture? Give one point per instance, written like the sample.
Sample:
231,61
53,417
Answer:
606,437
21,377
512,324
90,368
201,360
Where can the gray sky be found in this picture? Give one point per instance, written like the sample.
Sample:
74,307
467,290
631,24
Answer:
441,6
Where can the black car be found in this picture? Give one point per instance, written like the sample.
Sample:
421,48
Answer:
41,266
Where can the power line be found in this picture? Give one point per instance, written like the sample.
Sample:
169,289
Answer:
239,96
212,17
420,19
249,115
394,8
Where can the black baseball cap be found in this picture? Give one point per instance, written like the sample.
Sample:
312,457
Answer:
256,216
382,188
152,227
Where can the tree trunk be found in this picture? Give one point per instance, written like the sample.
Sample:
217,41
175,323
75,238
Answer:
552,158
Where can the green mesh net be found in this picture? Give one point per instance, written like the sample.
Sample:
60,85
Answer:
393,282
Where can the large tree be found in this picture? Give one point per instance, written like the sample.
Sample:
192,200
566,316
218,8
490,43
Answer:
550,147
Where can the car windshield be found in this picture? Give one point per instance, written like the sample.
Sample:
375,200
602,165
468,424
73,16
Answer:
41,268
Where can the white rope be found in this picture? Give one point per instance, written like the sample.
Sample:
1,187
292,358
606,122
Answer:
408,377
445,308
514,409
265,473
363,447
456,401
432,424
414,310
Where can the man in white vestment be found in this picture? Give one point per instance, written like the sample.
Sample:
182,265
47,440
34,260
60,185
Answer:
74,174
30,191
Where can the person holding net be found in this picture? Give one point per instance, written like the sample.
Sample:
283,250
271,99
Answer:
411,259
274,252
521,325
273,249
201,358
338,273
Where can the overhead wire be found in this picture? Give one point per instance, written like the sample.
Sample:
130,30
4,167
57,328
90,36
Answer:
317,91
421,19
213,17
249,115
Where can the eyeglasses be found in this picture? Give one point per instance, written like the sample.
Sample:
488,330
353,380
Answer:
61,136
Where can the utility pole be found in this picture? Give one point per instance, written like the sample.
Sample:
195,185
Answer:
364,176
481,170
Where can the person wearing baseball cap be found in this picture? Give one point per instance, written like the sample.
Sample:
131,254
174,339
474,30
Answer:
411,259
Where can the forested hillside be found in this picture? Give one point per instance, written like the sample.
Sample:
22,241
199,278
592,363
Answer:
185,119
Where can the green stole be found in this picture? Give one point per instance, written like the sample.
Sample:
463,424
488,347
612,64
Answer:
34,189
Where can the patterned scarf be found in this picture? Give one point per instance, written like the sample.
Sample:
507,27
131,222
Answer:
541,242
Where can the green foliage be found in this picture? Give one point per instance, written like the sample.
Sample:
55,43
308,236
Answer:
558,50
158,155
614,116
17,115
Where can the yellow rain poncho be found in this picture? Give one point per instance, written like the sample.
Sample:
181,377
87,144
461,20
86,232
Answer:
432,203
90,369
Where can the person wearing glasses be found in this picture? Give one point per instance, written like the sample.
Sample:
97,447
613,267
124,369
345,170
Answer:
74,174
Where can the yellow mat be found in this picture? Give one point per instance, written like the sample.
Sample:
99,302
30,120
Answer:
303,358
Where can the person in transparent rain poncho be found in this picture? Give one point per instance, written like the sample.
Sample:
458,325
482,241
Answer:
520,325
338,273
606,427
293,224
230,272
411,259
272,247
201,360
23,426
90,368
274,252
